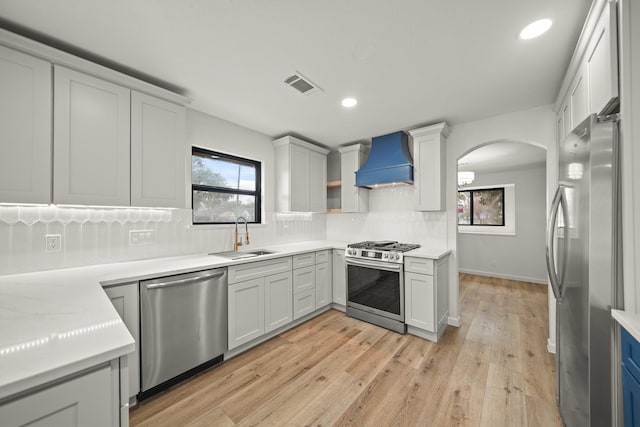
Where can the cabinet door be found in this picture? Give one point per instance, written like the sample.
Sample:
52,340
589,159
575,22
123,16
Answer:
602,62
565,111
158,152
317,182
300,179
83,401
91,137
304,279
323,284
419,301
339,282
428,175
578,98
246,311
631,399
352,198
278,290
25,128
303,303
125,300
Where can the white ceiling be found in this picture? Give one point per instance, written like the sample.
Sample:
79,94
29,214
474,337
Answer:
501,156
408,62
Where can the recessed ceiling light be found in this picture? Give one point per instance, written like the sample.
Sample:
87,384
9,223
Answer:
349,102
535,29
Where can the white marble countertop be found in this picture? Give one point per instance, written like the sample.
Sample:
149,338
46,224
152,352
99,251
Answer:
629,321
54,323
427,252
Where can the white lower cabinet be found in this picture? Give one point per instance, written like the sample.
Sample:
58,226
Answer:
304,279
339,280
323,284
246,311
304,303
125,300
419,297
267,295
278,291
426,288
84,400
304,291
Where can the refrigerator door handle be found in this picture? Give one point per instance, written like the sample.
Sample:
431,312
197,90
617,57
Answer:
558,200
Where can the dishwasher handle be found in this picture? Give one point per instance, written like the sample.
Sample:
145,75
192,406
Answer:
178,282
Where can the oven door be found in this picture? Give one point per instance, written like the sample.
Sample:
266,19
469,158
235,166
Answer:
376,287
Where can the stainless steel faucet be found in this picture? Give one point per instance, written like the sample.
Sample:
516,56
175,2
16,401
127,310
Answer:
237,243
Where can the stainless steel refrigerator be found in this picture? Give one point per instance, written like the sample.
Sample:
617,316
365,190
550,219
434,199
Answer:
582,261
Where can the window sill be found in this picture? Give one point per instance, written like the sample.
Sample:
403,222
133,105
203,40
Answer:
494,231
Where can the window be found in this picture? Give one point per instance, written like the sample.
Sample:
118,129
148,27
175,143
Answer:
483,207
224,188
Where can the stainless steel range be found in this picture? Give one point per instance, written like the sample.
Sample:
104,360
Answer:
375,282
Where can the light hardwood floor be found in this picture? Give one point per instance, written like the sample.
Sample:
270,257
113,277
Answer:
333,370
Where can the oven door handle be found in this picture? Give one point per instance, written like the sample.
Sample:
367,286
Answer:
375,264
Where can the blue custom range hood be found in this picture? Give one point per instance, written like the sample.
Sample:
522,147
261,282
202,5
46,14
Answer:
389,162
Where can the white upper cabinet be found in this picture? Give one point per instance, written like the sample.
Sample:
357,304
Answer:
579,98
429,166
300,179
602,63
158,152
92,140
317,181
301,176
352,198
591,83
25,128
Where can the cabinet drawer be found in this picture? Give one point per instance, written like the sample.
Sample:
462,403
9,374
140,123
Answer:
304,279
253,270
303,260
322,256
418,265
630,353
304,303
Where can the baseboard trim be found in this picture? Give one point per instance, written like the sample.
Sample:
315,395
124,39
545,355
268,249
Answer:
551,346
454,321
503,276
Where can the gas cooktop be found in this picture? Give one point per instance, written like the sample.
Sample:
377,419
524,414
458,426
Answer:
384,250
384,245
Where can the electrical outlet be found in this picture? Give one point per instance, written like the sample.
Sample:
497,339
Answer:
52,242
140,237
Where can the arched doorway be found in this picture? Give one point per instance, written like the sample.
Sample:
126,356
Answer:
501,211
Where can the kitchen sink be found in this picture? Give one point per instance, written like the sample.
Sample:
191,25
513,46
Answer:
243,254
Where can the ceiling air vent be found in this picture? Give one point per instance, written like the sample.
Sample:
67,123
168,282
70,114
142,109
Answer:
302,84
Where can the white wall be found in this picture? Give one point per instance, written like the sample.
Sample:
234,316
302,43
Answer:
534,126
97,236
519,256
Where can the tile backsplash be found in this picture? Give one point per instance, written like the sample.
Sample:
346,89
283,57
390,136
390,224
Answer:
391,216
97,236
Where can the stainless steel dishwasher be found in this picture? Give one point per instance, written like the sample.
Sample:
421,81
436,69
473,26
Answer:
183,324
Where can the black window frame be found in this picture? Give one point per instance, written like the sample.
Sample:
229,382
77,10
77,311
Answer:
257,193
471,191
